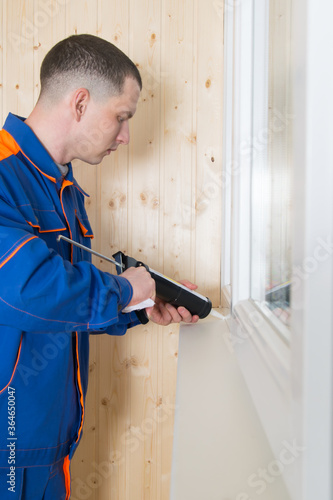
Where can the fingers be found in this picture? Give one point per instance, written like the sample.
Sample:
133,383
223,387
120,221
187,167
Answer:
188,284
142,283
164,314
173,313
186,316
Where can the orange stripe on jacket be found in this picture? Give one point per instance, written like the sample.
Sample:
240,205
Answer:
8,145
39,170
45,230
14,370
66,183
83,228
67,475
80,386
16,250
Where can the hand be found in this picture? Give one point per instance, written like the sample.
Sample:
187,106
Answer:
163,313
142,283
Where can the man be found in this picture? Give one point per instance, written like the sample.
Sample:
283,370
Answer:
51,296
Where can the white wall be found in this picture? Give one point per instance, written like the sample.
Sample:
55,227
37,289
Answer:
220,450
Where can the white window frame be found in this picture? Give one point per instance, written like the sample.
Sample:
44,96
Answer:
291,383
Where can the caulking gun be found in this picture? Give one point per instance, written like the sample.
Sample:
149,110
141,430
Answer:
167,289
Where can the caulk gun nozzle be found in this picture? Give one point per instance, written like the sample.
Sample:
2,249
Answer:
217,314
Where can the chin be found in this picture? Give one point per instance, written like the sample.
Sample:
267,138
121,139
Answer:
92,161
98,159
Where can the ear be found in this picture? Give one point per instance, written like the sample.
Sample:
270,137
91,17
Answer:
79,103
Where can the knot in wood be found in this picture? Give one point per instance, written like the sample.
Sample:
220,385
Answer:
132,361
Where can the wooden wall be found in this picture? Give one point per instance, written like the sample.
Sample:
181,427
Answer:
157,199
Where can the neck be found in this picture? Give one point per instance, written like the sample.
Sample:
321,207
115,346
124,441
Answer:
51,127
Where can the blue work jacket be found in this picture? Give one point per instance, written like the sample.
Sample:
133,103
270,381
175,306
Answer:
51,298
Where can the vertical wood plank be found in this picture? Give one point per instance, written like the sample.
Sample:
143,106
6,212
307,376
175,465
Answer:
51,28
144,169
18,38
208,105
178,137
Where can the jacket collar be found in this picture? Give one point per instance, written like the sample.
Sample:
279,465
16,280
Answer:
35,151
31,146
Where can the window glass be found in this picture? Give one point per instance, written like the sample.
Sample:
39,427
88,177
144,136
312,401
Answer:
271,158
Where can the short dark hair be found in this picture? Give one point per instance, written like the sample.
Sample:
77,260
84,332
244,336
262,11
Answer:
88,61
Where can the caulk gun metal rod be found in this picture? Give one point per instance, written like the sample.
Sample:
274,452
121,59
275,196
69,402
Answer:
61,237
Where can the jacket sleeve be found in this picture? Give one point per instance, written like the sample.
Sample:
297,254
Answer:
41,292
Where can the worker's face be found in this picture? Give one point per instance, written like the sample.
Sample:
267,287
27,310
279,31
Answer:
104,125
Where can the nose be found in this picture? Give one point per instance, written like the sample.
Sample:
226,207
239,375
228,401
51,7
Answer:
124,135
